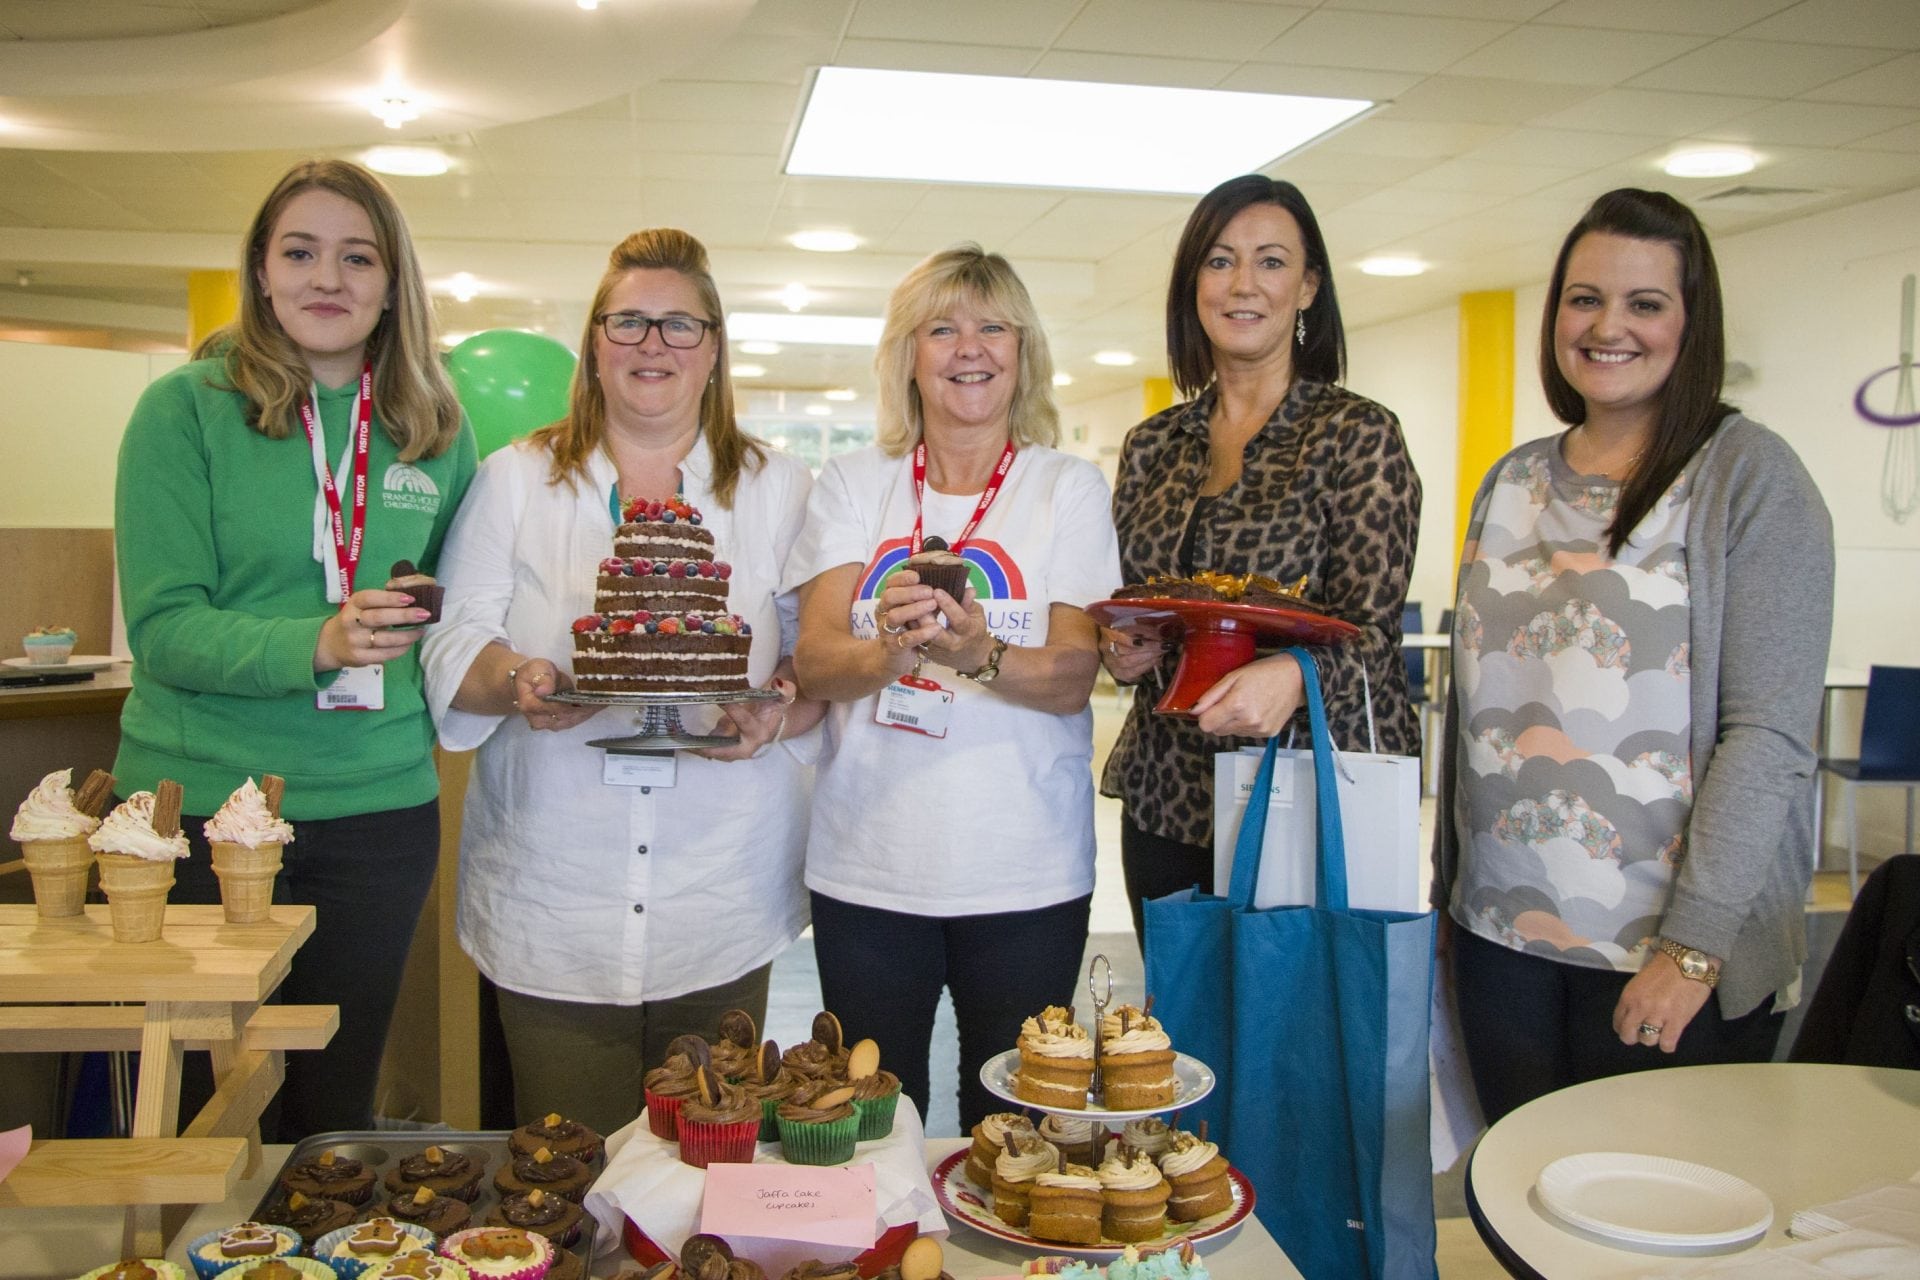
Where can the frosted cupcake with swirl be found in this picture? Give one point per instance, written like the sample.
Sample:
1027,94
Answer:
246,838
1056,1061
1136,1060
136,847
51,827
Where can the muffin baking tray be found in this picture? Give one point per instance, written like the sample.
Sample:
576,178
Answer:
382,1150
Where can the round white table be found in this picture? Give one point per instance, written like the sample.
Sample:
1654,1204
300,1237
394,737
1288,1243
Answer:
1803,1133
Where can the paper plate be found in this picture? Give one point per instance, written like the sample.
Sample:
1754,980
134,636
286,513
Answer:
77,662
1654,1200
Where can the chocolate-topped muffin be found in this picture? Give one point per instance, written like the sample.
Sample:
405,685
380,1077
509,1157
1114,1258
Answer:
719,1125
668,1086
556,1175
448,1173
442,1215
311,1216
330,1176
567,1265
561,1136
940,568
816,1270
818,1125
541,1212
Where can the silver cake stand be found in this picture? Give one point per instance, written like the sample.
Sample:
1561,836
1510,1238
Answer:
659,727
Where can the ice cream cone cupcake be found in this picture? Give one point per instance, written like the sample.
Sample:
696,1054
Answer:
52,826
246,838
137,845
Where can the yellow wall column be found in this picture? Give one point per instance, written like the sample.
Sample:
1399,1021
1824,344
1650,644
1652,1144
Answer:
1486,395
1155,394
213,299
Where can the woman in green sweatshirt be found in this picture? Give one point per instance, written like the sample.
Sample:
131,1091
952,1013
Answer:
265,491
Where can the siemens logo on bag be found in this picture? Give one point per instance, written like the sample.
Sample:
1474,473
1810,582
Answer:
407,488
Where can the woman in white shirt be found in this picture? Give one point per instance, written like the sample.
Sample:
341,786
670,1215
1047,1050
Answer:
614,917
952,837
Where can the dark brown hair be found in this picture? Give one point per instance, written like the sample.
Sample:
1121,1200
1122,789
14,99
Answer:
573,439
1323,357
418,408
1690,405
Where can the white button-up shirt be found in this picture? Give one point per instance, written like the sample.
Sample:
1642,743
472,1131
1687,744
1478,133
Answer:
570,888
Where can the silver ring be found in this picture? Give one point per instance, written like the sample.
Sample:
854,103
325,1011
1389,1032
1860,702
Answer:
1648,1029
1113,647
890,630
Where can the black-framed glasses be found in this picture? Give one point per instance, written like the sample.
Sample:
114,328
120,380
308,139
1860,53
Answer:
630,328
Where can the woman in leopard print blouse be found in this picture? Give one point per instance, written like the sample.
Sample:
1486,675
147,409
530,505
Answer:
1273,468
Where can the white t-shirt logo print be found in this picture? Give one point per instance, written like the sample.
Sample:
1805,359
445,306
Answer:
405,487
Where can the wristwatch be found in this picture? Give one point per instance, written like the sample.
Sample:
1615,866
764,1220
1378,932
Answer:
988,671
1697,965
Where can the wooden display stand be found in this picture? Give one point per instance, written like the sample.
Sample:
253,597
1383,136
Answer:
66,985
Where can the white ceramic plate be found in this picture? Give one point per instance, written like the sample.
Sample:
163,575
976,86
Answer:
76,662
1654,1200
1192,1081
973,1206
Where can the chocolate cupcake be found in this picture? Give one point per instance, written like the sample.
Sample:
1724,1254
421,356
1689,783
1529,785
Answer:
217,1251
822,1058
567,1265
444,1172
940,568
330,1176
540,1212
737,1048
719,1125
876,1093
354,1250
814,1269
770,1084
442,1215
669,1085
556,1175
312,1217
561,1136
818,1125
427,594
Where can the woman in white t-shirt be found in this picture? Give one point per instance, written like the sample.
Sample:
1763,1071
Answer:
952,834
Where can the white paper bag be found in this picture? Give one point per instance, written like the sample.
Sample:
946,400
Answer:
1379,804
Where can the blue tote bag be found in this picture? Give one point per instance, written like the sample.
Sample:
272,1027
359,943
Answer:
1315,1019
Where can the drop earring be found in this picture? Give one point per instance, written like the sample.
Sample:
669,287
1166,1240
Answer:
1300,327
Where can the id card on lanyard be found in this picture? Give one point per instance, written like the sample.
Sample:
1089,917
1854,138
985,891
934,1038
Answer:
355,688
916,703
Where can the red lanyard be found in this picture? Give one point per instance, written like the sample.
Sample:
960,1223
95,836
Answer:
347,547
979,513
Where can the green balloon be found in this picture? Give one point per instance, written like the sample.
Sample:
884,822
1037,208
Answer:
510,382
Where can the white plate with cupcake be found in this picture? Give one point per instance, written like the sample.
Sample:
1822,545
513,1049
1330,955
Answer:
1192,1081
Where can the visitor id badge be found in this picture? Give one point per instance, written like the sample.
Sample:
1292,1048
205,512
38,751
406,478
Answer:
638,769
356,689
917,705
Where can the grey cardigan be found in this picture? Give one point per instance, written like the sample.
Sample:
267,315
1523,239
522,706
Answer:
1760,568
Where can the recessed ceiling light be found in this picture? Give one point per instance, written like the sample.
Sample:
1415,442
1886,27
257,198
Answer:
819,410
1710,162
866,123
407,162
796,296
589,5
1062,379
824,241
760,348
831,331
1392,265
395,111
749,371
843,393
1115,359
463,286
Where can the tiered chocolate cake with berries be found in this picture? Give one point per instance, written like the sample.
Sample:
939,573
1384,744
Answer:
660,623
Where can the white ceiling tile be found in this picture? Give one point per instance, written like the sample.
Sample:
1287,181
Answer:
1686,17
1478,101
1501,10
1881,23
735,102
508,164
618,107
1326,196
1126,68
1197,29
1386,135
1324,82
922,233
1432,207
1572,55
1650,111
594,222
1335,164
1503,180
1381,41
1837,167
1358,231
992,202
709,135
1031,23
762,57
1743,66
850,193
1052,237
1894,83
1904,139
1561,147
600,137
1811,124
705,166
958,59
59,20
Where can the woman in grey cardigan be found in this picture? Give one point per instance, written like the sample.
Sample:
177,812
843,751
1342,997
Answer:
1639,639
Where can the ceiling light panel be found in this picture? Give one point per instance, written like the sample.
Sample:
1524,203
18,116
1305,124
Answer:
864,123
803,330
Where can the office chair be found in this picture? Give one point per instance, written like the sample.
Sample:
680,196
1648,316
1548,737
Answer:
1889,753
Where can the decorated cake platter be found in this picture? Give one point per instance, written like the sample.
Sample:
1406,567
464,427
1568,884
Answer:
1217,636
1192,1081
660,728
973,1206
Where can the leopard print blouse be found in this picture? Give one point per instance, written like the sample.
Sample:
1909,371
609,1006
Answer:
1325,490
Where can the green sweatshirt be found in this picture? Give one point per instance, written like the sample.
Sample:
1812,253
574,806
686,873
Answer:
224,602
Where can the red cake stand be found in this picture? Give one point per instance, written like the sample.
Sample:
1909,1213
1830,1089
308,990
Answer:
1215,637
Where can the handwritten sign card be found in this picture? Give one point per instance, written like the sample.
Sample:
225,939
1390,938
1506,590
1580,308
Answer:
814,1204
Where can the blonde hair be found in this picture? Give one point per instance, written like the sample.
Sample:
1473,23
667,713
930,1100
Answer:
417,406
964,274
573,439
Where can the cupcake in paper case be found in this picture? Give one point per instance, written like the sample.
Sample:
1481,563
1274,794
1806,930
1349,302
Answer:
539,1213
738,1048
545,1171
311,1216
1056,1061
353,1251
876,1093
1080,1140
137,1269
557,1134
1136,1060
417,1266
499,1253
427,594
923,1259
667,1087
567,1265
51,826
1148,1134
1197,1175
439,1169
49,646
1064,1205
1174,1260
295,1268
818,1125
246,838
824,1057
1134,1198
719,1124
770,1084
218,1251
424,1207
939,568
1025,1158
989,1140
136,848
330,1176
1064,1268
